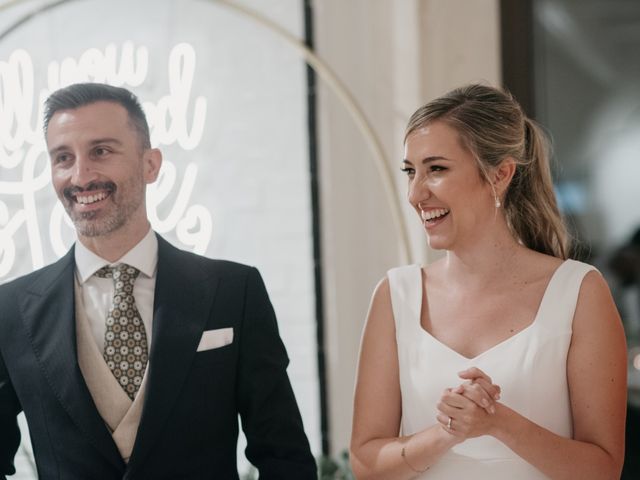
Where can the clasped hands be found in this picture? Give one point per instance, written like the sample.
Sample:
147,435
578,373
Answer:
468,410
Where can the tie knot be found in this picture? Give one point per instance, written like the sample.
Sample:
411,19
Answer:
121,272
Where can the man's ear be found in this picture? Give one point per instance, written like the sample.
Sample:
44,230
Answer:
152,161
503,174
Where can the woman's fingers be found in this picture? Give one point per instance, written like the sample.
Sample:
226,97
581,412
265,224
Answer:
444,420
465,411
475,375
479,395
492,389
454,400
468,419
448,423
446,417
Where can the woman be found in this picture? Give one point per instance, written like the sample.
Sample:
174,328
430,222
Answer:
503,360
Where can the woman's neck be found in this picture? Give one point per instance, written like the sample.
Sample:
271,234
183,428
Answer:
496,256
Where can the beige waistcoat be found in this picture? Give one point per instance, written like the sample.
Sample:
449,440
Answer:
120,414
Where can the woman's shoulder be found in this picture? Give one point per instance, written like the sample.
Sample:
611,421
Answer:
583,273
594,288
539,266
593,299
596,318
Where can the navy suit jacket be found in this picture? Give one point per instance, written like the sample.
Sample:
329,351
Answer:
189,423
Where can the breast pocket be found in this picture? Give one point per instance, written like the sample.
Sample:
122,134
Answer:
216,338
216,346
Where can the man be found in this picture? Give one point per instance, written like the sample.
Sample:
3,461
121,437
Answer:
130,358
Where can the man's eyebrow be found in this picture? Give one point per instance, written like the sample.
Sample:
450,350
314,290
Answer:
97,141
57,149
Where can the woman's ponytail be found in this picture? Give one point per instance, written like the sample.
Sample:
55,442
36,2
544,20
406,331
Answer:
530,202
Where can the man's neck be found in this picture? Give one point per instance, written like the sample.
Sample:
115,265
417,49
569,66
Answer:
114,246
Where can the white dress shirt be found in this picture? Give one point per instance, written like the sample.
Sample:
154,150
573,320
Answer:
97,293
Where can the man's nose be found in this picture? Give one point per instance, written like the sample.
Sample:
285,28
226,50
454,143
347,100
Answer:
83,171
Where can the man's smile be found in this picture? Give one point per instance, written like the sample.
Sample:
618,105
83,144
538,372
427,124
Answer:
91,198
92,195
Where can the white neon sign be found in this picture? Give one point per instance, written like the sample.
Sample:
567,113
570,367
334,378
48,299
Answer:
22,147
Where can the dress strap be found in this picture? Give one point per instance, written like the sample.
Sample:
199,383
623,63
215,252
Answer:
561,296
405,285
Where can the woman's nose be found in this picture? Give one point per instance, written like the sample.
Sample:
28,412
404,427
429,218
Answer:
419,193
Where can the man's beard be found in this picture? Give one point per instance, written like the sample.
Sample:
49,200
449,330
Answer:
114,216
87,225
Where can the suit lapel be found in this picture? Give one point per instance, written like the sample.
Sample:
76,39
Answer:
179,315
49,316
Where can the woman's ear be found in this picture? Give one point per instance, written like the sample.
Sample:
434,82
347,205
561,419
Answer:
503,174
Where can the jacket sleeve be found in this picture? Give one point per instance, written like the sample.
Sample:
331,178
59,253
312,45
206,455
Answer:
276,443
9,431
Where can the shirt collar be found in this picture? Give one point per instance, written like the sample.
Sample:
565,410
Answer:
143,256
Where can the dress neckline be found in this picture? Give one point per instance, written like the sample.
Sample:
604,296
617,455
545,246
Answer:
507,340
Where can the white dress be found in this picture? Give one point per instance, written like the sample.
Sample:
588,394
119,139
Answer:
530,368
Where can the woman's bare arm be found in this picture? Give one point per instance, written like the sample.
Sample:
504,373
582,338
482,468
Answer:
376,448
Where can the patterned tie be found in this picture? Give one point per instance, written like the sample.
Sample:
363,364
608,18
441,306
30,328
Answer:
125,344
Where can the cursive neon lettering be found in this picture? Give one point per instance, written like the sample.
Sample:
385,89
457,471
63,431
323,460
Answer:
174,118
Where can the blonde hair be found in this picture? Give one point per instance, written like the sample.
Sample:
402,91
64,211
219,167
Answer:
492,125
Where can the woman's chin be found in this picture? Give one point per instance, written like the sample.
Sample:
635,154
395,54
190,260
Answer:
436,243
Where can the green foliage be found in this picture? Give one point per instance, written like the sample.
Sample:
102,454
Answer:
328,468
335,469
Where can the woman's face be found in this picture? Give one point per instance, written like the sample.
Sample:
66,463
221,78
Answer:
446,188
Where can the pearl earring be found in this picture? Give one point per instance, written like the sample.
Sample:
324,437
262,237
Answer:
498,204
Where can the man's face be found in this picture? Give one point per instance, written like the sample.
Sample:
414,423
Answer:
99,169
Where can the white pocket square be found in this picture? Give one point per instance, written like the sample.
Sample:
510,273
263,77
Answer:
215,338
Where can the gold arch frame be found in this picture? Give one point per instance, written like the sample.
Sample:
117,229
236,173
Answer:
323,71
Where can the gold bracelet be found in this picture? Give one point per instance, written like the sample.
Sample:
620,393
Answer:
403,454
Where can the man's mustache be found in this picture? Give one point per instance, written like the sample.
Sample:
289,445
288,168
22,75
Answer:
70,192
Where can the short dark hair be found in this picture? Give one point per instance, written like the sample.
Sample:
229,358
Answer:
81,94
